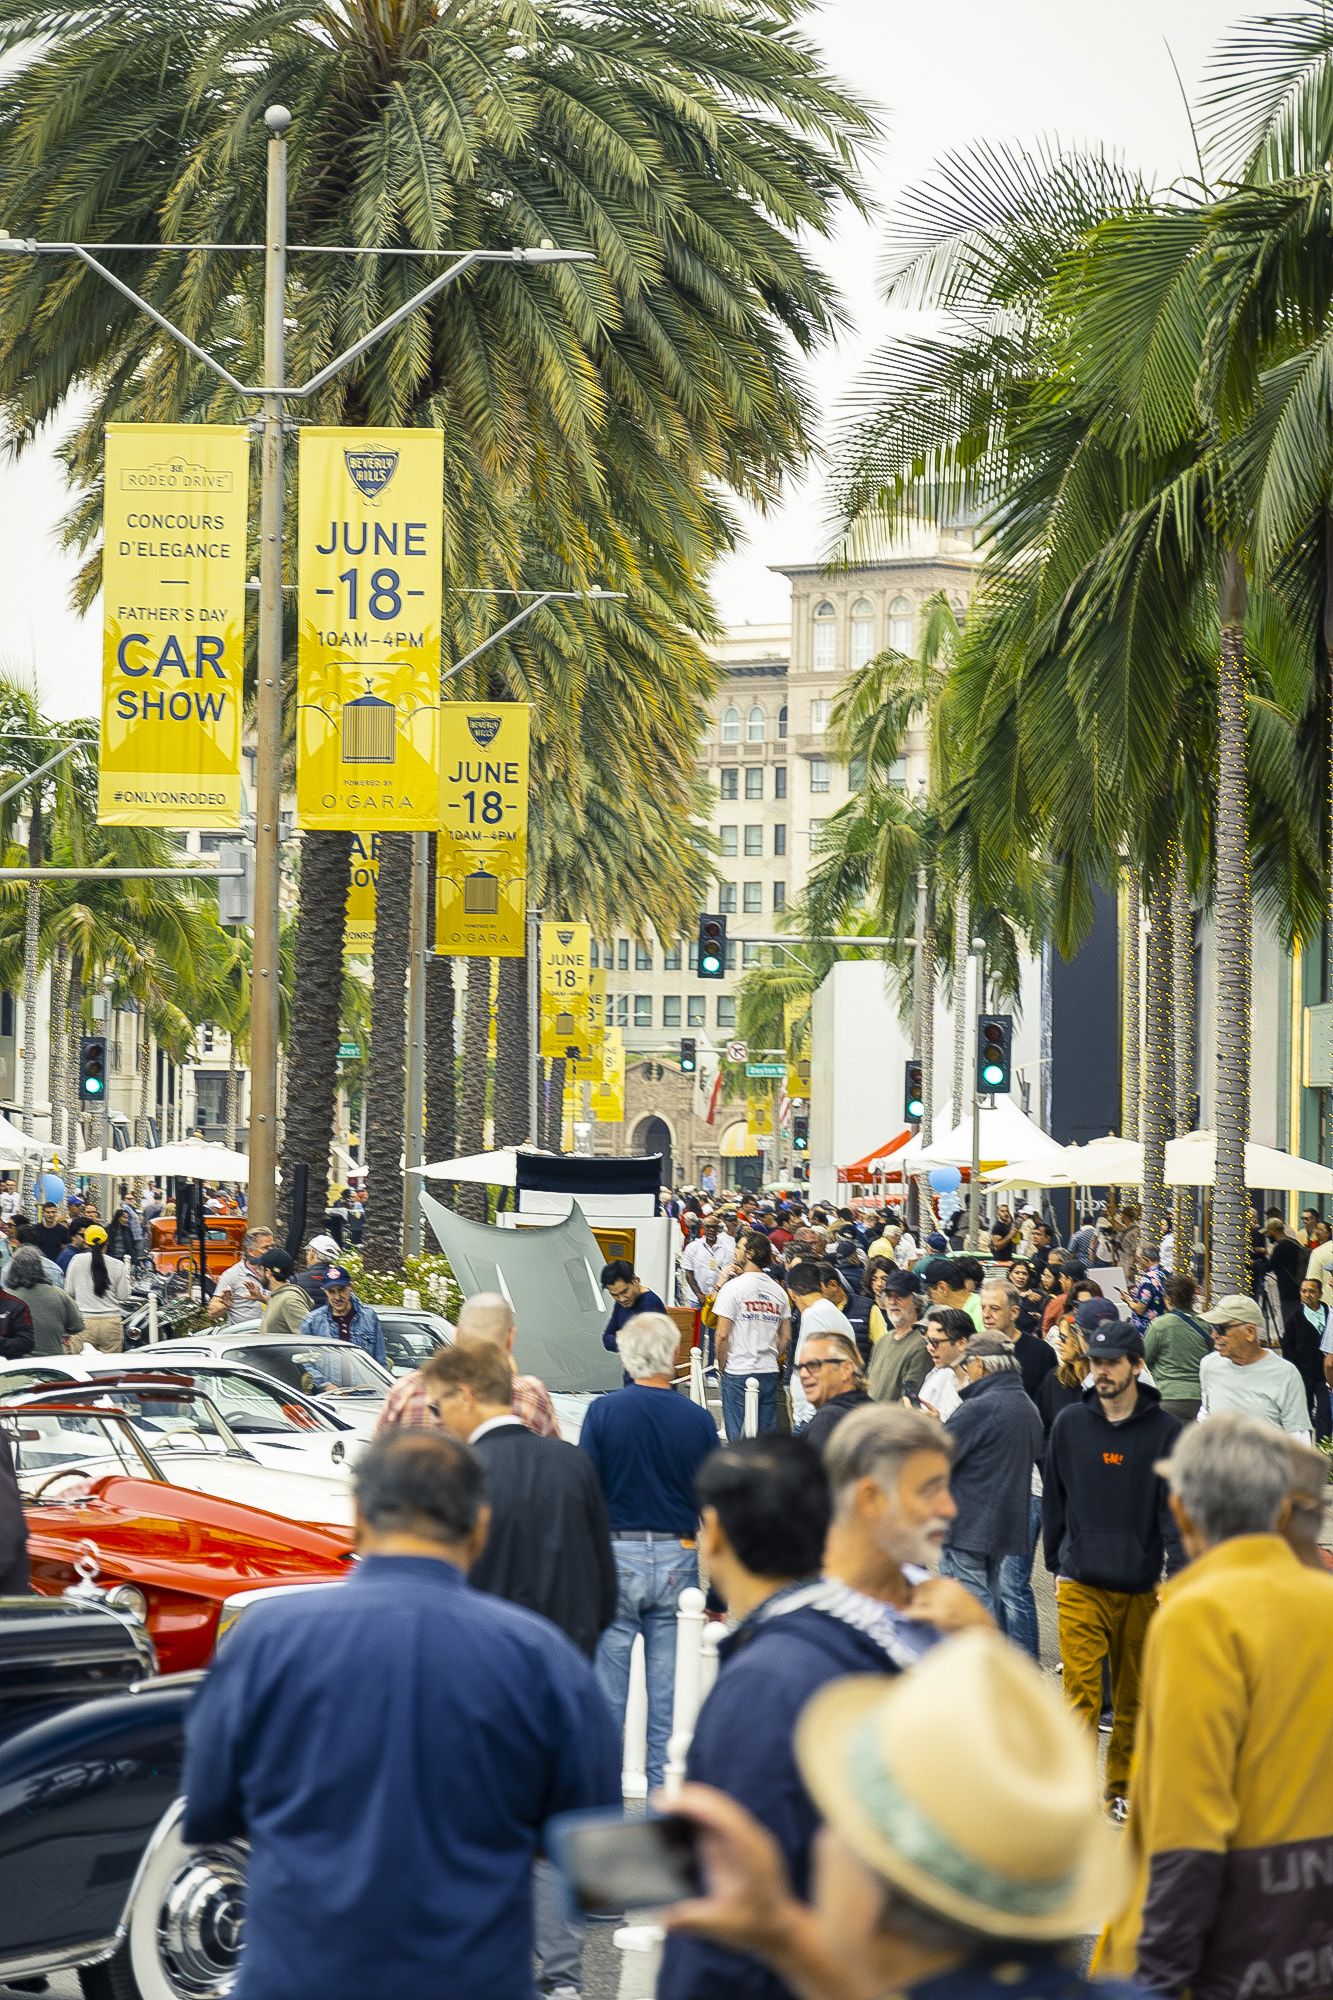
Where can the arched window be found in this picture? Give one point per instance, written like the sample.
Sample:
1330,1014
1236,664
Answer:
782,720
756,725
900,625
825,637
731,725
863,632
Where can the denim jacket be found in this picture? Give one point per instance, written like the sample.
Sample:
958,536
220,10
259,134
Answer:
362,1329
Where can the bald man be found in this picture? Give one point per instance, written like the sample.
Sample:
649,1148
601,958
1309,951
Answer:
490,1317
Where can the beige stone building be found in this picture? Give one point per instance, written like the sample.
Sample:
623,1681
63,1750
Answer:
773,784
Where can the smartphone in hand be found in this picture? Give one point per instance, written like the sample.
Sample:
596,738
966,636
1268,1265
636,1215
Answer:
611,1863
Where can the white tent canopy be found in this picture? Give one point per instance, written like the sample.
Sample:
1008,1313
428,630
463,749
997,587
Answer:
1007,1134
190,1160
497,1169
17,1145
1192,1162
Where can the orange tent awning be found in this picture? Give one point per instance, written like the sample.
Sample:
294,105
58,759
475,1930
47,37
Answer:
864,1169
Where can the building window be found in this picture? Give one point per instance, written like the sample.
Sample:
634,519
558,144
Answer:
750,956
779,895
643,1010
825,638
754,840
900,625
731,955
779,840
752,897
671,958
731,725
622,1010
727,835
608,956
863,632
898,771
726,782
643,958
816,828
756,725
694,1011
779,781
726,1010
819,715
726,899
782,721
622,954
856,773
754,782
819,779
671,1010
593,959
694,956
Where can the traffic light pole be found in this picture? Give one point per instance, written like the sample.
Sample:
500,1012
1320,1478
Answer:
974,1188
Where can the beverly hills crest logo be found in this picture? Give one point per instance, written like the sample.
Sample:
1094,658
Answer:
370,471
565,937
483,729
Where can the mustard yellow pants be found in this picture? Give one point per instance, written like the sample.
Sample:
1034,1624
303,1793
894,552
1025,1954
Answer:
1111,1625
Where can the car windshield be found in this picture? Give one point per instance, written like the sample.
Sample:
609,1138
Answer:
409,1342
316,1367
250,1407
168,1422
44,1441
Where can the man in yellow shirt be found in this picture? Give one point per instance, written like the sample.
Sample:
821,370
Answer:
1231,1801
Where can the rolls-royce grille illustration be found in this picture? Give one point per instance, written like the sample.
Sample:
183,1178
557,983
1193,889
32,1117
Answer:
564,1027
369,726
481,894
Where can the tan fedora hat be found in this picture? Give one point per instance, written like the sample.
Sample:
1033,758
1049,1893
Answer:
968,1784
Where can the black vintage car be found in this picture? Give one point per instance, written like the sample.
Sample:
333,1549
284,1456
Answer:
93,1872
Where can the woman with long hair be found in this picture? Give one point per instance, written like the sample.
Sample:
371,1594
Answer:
99,1285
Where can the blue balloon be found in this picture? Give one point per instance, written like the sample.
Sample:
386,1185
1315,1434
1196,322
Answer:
52,1188
945,1179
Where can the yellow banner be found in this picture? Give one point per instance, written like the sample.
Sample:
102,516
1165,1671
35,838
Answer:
573,1027
481,864
174,511
368,654
362,892
566,958
607,1101
796,1036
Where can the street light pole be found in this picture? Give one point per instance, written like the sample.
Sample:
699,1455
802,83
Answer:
264,995
974,1190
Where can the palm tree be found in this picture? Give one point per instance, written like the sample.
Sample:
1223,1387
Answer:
471,1200
383,1243
312,1049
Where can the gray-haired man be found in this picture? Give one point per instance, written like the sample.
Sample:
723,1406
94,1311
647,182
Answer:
241,1291
998,1441
647,1444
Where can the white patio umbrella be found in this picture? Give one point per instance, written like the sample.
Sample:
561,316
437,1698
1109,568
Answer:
1007,1134
16,1145
1109,1162
496,1169
1192,1162
1038,1173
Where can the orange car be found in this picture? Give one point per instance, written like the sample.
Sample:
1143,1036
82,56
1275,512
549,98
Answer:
222,1233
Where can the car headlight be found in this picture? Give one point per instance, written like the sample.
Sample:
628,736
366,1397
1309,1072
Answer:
129,1600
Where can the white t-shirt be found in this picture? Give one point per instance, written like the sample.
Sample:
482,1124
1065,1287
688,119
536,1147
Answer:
822,1316
1269,1388
704,1264
758,1310
940,1390
243,1292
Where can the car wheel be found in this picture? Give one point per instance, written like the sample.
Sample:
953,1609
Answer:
185,1925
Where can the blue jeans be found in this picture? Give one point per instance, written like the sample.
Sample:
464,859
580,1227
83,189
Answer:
650,1575
1018,1607
733,1403
981,1575
557,1936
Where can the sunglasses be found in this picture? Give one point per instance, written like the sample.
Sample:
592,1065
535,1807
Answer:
831,1361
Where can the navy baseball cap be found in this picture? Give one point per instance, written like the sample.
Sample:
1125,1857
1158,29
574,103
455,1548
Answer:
337,1274
1112,1338
1093,1312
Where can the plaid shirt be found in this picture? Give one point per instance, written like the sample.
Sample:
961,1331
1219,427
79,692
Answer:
409,1403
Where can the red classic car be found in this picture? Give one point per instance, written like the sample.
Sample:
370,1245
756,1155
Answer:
100,1507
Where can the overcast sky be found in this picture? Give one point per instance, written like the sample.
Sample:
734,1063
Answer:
944,72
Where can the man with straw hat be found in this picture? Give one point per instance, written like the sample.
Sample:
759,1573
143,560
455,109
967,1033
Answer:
927,1881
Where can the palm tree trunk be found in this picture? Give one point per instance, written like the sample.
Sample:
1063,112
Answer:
73,1036
511,1052
468,1200
555,1105
58,1038
312,1061
1231,903
962,939
1130,1014
441,1053
1158,1104
925,1029
386,1067
1182,1013
31,942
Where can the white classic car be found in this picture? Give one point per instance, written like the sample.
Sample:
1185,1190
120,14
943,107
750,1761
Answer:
337,1377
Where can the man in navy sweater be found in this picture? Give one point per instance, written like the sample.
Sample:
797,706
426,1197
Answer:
647,1444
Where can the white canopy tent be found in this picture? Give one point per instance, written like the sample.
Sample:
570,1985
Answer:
1007,1134
188,1160
497,1169
16,1145
1192,1162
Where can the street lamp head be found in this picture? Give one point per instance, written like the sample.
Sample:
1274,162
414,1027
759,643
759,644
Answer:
278,118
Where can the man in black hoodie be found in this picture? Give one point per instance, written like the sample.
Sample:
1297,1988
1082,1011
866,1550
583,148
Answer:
1108,1534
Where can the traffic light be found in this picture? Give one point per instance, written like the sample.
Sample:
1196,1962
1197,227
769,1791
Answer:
92,1069
914,1091
689,1061
712,947
995,1053
800,1134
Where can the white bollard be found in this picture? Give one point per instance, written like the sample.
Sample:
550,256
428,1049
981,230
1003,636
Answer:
708,1664
685,1700
634,1762
751,1426
152,1316
697,1377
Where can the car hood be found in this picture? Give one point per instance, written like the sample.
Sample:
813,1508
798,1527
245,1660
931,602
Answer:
295,1494
176,1538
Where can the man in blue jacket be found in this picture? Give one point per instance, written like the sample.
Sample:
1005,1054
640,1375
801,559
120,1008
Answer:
343,1316
393,1748
767,1508
998,1440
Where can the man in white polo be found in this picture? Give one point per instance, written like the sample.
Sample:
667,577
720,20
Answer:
1245,1376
